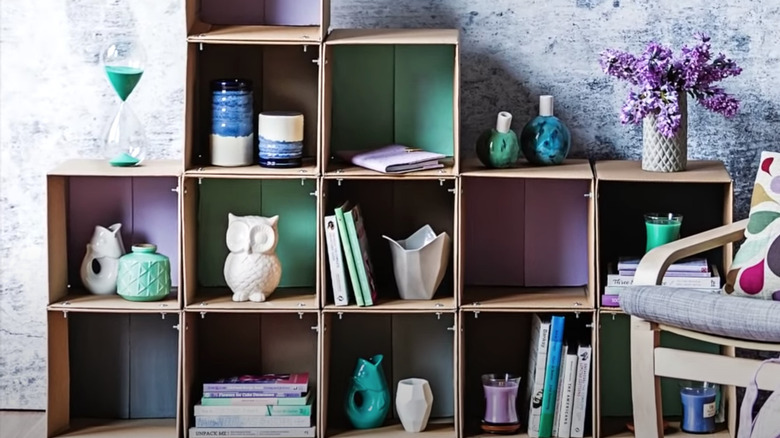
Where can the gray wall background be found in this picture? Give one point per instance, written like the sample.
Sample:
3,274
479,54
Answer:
55,102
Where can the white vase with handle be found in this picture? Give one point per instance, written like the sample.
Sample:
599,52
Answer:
413,402
101,261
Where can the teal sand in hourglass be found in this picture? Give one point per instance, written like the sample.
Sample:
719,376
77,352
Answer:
125,139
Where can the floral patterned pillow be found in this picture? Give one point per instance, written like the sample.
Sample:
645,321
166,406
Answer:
755,271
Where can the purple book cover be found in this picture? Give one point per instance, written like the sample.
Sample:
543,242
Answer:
698,264
610,300
264,382
251,394
394,159
632,272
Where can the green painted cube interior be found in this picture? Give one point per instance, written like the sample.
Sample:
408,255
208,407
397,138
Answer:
615,358
297,226
393,94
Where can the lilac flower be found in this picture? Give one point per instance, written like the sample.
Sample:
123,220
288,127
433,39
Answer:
660,78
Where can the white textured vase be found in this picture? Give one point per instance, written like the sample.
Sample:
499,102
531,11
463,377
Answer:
413,402
665,154
419,263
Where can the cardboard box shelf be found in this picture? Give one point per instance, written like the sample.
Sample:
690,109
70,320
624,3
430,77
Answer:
207,203
615,404
523,250
284,78
219,345
498,342
395,208
569,169
390,86
144,200
514,298
622,205
247,22
113,374
390,305
412,345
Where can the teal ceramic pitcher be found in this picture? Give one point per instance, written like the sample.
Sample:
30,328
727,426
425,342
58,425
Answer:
368,398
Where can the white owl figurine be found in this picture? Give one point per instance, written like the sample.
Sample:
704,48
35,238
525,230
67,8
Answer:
252,269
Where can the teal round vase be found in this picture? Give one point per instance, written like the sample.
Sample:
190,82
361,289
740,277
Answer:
545,140
498,147
368,398
143,274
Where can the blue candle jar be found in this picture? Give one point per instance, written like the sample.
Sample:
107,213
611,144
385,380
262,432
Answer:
699,409
232,129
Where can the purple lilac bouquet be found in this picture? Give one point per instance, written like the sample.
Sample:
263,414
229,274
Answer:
660,78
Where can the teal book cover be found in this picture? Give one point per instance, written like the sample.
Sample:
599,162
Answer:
551,376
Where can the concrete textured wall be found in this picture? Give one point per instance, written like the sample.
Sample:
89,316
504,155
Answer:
55,102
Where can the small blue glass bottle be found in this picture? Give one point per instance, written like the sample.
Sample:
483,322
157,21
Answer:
232,128
545,140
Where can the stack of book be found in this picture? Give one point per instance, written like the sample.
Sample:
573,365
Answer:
558,380
347,243
270,405
691,273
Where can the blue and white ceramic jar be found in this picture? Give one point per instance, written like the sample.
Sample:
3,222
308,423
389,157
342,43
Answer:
280,138
232,130
545,140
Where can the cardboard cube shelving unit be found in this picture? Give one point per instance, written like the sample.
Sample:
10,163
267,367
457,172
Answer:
525,240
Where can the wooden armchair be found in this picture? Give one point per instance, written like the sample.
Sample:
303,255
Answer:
650,361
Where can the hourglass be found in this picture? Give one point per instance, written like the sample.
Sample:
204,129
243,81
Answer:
125,140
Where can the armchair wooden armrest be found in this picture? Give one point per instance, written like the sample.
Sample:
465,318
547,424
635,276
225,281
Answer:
653,265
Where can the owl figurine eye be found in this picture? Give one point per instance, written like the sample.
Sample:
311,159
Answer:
237,236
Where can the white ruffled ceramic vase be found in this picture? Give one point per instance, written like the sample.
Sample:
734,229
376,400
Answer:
419,263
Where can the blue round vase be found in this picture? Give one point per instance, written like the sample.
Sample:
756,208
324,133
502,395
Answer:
545,140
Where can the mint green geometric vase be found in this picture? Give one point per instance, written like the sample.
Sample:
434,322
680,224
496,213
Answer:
144,275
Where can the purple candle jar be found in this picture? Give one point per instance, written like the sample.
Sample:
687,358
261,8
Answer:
500,403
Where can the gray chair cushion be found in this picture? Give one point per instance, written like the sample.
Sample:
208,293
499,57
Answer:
704,311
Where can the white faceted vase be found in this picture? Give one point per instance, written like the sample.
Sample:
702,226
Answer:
413,402
420,262
661,153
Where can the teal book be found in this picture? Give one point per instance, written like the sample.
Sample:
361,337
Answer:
551,373
347,247
358,240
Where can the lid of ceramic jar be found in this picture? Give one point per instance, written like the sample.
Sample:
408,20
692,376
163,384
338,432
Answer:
545,105
280,126
503,122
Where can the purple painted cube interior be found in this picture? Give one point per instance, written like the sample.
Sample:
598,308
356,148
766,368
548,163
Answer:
146,207
525,232
261,12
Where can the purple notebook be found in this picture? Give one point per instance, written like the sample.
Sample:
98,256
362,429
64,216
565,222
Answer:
394,159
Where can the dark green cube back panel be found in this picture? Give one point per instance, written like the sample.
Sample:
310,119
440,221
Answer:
123,365
615,360
384,94
289,199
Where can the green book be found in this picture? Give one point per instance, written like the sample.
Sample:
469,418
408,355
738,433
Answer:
345,244
358,241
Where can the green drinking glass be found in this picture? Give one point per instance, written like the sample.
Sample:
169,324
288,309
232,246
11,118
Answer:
662,228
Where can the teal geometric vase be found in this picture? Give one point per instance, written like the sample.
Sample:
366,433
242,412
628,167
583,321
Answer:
368,398
498,147
545,140
143,274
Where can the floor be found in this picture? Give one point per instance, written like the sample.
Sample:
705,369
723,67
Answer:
22,424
